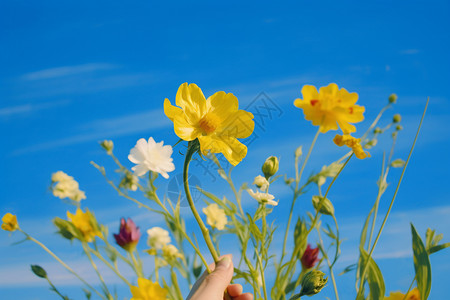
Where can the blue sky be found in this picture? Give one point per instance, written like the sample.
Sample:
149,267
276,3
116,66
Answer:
79,72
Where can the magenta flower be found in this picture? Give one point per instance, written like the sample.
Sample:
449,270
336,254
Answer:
310,257
128,235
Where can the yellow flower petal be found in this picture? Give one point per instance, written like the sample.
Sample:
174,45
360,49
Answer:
191,99
10,222
222,104
171,111
239,125
147,290
233,150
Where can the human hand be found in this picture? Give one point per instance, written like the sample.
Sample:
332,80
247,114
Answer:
212,286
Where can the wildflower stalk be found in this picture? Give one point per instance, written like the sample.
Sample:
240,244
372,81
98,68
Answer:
192,149
410,287
136,266
361,284
28,237
298,177
104,286
330,265
53,288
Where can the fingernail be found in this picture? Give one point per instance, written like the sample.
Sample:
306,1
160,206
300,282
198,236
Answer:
224,263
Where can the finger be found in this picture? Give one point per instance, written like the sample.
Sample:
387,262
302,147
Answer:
235,290
246,296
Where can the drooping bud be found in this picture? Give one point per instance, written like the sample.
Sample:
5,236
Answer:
38,271
310,257
128,235
298,151
392,98
108,145
324,205
270,166
261,182
397,118
313,283
399,127
377,130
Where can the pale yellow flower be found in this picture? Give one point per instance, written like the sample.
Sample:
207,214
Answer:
353,143
261,182
264,198
147,290
215,216
66,187
10,222
158,237
170,252
216,122
86,223
412,295
330,107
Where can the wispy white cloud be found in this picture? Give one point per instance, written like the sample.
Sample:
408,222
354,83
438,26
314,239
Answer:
410,51
105,129
67,71
12,111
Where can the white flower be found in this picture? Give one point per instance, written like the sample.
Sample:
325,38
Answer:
66,187
158,237
263,197
261,182
215,216
151,156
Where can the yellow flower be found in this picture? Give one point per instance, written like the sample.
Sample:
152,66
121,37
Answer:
10,222
330,107
353,143
215,216
147,290
216,122
412,295
87,225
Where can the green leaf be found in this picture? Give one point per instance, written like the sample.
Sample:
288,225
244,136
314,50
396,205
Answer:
374,276
438,248
421,265
348,269
38,271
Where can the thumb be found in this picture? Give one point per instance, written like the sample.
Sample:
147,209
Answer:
214,284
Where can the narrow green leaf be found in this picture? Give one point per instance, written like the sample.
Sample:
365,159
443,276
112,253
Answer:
438,248
374,276
421,265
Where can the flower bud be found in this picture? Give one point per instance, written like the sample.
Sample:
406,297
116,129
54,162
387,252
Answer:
38,271
397,118
108,145
261,182
310,257
270,166
399,127
392,98
9,222
377,130
313,283
370,143
128,235
326,207
299,151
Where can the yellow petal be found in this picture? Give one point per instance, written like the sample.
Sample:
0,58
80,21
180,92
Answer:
238,125
346,128
327,124
185,130
171,111
330,90
309,92
222,104
191,99
233,150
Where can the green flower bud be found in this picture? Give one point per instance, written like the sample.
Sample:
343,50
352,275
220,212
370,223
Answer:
394,134
313,283
38,271
299,151
377,130
370,143
326,207
392,98
270,166
397,118
399,127
107,145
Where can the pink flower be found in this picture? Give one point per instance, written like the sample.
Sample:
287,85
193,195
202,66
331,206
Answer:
310,257
128,235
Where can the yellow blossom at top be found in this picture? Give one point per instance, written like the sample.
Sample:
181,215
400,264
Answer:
330,107
216,122
412,295
215,216
353,143
147,290
10,222
87,225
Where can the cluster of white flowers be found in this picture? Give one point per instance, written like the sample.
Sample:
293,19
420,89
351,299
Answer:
262,196
64,186
215,216
158,237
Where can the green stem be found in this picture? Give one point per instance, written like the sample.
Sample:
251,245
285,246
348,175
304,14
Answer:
114,269
56,290
330,265
62,263
409,289
192,148
105,287
361,284
137,266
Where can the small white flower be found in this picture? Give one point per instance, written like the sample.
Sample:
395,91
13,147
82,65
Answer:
171,252
151,156
215,216
66,187
158,237
261,182
263,197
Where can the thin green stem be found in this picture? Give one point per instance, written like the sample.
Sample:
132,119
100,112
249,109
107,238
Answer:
263,280
105,287
62,263
138,267
409,289
377,201
330,265
114,269
55,289
361,284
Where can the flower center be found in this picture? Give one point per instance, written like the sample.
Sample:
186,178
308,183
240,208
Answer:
209,123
